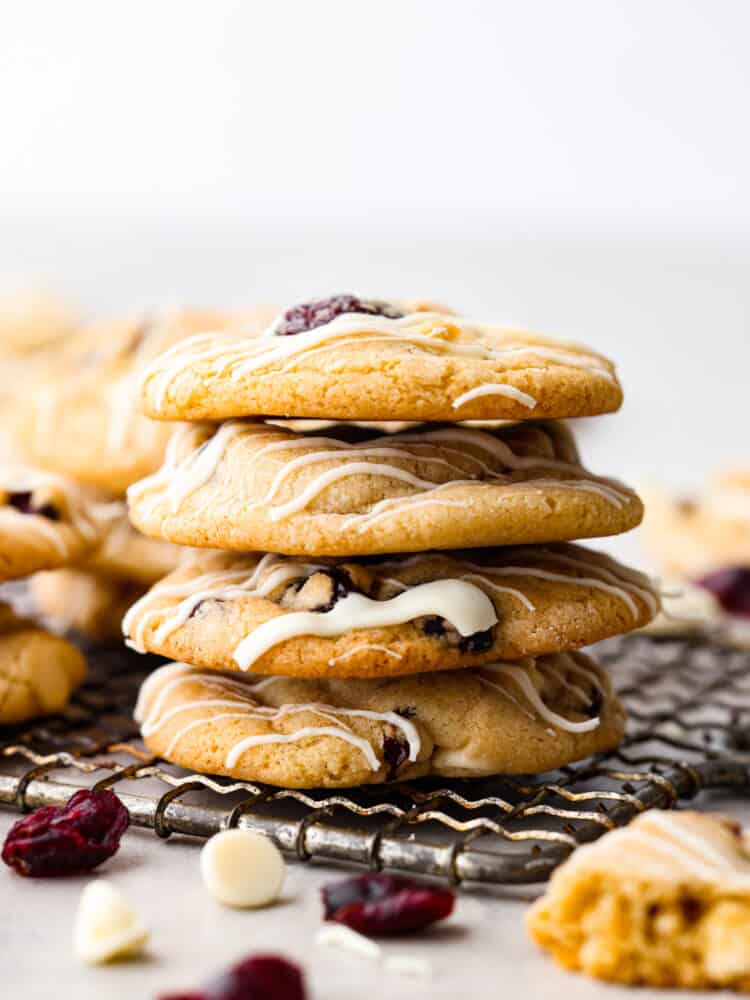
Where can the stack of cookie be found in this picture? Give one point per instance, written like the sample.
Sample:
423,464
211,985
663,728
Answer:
45,522
81,420
383,604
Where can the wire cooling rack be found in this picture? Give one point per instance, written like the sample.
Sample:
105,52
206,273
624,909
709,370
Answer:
688,703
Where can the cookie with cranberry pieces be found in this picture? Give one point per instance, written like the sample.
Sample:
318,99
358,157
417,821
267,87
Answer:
347,357
514,718
45,522
387,616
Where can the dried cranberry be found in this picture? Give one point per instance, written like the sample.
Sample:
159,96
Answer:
65,840
260,977
731,588
434,626
384,904
478,642
596,704
200,606
23,502
310,315
395,752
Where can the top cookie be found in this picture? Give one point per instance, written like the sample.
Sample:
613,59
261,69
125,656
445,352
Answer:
254,487
45,522
82,418
346,358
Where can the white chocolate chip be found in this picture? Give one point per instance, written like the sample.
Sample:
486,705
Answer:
413,966
340,936
242,868
106,926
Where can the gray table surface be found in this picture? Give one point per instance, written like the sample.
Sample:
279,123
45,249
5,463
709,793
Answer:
481,951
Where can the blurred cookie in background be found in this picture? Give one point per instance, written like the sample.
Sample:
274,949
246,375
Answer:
90,599
82,417
702,545
125,554
33,321
38,672
31,326
81,603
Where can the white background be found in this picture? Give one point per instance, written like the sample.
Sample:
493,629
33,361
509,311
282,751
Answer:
581,167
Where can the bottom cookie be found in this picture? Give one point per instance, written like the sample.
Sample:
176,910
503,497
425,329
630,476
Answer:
38,671
664,902
516,718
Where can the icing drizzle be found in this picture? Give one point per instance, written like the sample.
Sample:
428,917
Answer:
466,591
191,463
675,846
432,333
225,697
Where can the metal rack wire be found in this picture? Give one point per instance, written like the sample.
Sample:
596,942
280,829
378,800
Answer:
689,708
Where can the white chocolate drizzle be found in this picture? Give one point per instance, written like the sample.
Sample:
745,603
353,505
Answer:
495,389
152,717
365,646
432,333
464,605
189,467
519,674
239,698
272,572
674,846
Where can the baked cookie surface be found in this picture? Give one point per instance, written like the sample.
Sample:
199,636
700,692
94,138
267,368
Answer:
255,487
45,522
83,418
517,718
387,617
38,671
664,902
352,359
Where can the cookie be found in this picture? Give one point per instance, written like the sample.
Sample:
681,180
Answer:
38,671
690,537
125,554
29,323
83,603
254,487
386,617
664,902
82,418
513,717
346,358
45,522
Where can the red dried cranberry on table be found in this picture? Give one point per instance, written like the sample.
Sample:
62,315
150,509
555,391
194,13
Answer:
69,839
259,977
310,315
731,588
383,904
